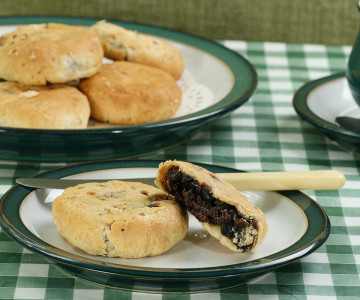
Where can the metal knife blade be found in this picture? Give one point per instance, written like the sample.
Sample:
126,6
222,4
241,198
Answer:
51,183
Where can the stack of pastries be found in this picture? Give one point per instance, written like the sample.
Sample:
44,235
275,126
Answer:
53,76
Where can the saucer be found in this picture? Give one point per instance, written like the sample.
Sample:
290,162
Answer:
321,101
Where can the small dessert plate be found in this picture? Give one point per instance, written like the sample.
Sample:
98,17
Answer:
297,227
322,101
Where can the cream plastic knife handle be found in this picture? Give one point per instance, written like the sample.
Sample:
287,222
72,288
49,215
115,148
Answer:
266,181
281,181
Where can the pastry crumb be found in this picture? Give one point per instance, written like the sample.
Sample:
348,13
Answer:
30,93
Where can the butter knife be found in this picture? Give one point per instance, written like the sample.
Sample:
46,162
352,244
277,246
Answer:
243,181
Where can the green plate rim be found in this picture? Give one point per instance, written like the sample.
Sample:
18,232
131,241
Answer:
316,234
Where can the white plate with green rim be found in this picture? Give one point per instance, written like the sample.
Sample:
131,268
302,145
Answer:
320,102
199,263
215,82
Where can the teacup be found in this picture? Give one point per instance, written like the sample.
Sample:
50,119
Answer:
353,68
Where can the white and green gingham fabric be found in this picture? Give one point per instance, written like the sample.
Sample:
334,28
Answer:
263,135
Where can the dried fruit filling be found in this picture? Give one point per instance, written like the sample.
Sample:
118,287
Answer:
200,202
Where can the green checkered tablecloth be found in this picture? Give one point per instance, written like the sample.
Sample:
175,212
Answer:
263,135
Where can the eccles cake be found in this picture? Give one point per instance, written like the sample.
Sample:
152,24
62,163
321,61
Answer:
49,53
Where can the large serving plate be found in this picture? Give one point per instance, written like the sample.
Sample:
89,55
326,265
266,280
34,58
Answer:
297,227
221,78
321,101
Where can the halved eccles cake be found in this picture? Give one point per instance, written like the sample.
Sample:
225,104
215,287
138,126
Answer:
223,211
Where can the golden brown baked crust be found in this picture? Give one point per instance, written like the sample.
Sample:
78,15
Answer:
119,219
250,228
43,107
122,44
129,93
54,53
